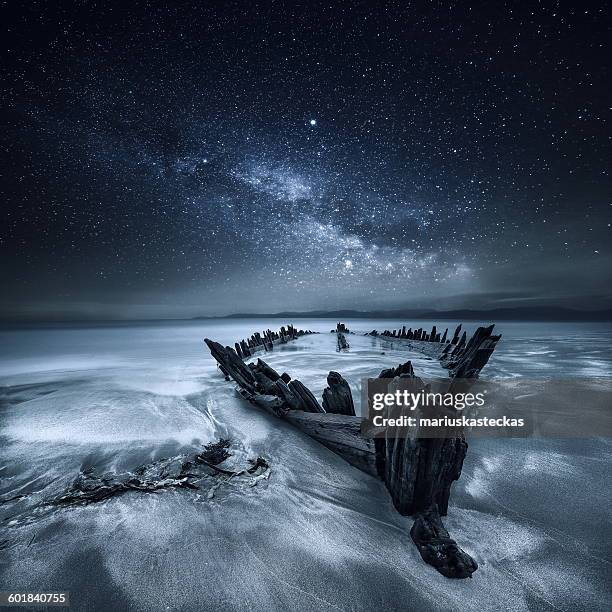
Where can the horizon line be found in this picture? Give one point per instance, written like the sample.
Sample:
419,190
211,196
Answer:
521,312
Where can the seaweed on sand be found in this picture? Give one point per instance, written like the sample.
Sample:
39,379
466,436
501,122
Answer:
181,472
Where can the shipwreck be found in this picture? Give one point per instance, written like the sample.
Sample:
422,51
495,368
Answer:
418,471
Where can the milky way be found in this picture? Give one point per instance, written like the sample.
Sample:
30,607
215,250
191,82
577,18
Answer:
165,160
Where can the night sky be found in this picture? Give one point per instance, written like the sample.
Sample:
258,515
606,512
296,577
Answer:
179,159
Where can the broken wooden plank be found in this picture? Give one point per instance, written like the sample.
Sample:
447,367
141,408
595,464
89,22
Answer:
337,396
340,433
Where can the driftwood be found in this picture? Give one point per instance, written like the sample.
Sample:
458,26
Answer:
418,472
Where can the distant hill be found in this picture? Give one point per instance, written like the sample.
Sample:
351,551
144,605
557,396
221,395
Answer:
534,313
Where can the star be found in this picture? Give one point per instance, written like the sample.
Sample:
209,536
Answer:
218,189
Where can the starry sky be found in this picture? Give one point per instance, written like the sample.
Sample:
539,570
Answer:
175,159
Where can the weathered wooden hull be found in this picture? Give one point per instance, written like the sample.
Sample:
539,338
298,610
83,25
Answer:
463,359
341,433
266,341
418,472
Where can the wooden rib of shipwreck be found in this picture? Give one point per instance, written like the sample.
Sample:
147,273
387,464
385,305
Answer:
341,342
418,472
463,359
267,340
